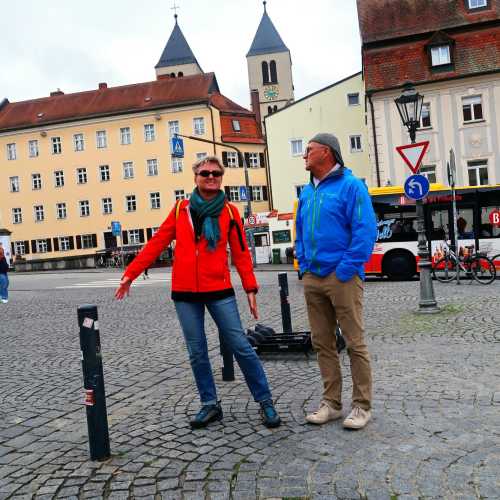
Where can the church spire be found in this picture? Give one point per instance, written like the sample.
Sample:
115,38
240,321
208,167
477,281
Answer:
267,39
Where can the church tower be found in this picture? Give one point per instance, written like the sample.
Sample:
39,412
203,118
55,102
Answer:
177,58
270,68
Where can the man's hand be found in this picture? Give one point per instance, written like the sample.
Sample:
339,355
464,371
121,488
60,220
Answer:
252,304
124,288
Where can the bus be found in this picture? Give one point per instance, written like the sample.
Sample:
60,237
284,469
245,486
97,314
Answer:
395,253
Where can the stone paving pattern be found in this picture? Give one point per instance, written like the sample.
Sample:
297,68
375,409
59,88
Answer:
435,432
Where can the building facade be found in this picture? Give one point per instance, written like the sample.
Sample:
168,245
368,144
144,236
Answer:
339,109
449,51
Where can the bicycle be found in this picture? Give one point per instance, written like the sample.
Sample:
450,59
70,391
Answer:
496,261
475,266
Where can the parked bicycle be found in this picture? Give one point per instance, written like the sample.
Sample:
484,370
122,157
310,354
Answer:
475,265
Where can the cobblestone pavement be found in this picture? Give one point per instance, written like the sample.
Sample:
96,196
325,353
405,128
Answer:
435,431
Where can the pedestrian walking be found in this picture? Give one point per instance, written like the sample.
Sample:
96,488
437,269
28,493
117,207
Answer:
202,228
4,279
336,231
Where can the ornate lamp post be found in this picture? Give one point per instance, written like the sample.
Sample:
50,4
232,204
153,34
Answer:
410,108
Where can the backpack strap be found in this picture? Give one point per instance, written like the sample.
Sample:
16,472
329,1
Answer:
233,223
178,208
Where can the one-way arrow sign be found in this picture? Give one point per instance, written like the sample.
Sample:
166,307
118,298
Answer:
413,154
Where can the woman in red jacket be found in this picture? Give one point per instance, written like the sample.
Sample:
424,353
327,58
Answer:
202,228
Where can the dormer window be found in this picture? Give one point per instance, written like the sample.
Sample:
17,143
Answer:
236,126
440,50
477,4
440,55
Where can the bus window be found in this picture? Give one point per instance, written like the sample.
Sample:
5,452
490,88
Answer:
396,226
440,227
487,229
465,224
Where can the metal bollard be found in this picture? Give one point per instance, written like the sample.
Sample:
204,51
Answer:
286,317
227,360
93,383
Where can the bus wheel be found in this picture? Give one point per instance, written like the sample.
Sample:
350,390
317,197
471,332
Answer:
399,265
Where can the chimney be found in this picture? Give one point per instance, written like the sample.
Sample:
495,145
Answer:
56,92
103,85
254,97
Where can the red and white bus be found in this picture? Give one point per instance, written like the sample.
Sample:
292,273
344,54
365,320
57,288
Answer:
395,252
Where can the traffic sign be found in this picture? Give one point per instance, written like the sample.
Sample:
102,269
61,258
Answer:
116,228
413,154
177,147
495,217
243,193
416,187
252,220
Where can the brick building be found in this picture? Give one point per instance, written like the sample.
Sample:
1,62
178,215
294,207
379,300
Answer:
449,50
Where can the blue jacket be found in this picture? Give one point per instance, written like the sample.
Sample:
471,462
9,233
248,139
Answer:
335,226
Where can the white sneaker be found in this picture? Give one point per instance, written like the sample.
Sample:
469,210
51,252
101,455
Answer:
358,418
4,301
324,414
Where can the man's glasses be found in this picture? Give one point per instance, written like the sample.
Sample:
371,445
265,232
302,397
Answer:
208,173
309,149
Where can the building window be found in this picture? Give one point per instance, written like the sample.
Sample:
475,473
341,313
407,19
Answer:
179,194
36,181
14,184
472,108
253,160
257,193
297,147
78,143
355,142
87,241
149,132
265,73
33,151
200,156
298,189
125,136
429,171
11,151
199,126
273,72
477,4
173,128
440,55
61,211
19,248
101,140
478,172
176,165
59,178
104,173
152,166
81,175
425,120
134,236
56,145
17,216
130,203
107,206
234,193
84,206
64,243
41,246
232,159
236,126
155,200
39,213
353,99
128,170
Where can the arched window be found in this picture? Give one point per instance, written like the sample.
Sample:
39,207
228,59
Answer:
269,110
265,73
275,108
172,75
180,74
274,74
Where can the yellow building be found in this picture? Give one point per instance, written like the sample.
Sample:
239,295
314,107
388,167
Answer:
70,164
338,109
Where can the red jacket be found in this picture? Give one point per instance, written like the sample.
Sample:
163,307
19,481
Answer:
196,268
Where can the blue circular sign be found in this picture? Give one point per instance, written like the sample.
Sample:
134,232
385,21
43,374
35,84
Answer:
416,187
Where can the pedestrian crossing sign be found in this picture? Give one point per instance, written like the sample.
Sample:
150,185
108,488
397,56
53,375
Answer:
177,147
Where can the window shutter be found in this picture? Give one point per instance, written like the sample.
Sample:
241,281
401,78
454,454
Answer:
141,235
49,245
264,193
224,158
149,233
124,238
261,160
240,160
12,249
56,244
71,243
94,241
33,246
247,159
250,193
226,190
78,241
27,246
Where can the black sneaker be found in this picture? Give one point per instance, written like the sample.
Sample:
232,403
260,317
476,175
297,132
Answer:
207,414
270,417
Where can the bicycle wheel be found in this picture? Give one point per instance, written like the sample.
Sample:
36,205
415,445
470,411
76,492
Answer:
483,270
445,269
496,261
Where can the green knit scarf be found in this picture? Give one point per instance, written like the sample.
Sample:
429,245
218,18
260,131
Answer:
208,211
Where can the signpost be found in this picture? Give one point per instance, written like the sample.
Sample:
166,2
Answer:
116,228
417,187
177,146
243,193
252,220
413,154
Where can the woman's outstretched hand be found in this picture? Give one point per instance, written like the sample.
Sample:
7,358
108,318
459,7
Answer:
252,303
123,289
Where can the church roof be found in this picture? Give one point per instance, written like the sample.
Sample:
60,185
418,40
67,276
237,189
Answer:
177,50
267,39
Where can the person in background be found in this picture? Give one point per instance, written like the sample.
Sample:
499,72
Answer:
4,279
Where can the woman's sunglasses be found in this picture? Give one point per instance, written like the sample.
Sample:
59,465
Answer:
208,173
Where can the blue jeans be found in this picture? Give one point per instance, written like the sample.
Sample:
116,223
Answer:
226,316
4,286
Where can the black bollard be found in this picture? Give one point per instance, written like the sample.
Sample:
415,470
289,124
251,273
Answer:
227,361
286,317
93,383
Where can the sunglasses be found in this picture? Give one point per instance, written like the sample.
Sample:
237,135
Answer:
208,173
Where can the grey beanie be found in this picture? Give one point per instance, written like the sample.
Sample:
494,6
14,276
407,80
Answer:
332,142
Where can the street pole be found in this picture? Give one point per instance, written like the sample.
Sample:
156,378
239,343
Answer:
247,185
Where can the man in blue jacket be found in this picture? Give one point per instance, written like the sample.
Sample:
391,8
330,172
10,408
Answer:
336,230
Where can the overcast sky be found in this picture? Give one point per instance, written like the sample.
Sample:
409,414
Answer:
50,44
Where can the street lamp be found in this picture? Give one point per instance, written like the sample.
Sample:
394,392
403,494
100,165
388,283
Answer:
410,108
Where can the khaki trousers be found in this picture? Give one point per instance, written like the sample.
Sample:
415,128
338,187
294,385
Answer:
329,300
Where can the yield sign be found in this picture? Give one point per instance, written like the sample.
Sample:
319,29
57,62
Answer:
413,154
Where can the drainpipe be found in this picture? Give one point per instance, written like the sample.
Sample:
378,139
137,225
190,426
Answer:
268,172
375,145
213,129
